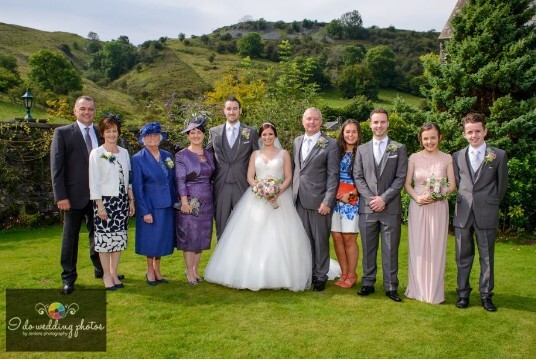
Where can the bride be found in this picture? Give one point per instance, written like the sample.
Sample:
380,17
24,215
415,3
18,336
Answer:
264,245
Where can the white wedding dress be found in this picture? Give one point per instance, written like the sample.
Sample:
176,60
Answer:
263,247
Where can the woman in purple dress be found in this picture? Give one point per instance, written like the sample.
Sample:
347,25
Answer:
193,172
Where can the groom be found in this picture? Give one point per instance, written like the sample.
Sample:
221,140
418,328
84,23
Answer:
380,173
314,187
481,177
232,144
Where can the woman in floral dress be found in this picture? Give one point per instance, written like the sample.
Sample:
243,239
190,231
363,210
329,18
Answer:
113,201
344,224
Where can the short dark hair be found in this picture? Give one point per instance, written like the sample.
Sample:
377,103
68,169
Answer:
233,98
107,122
267,125
473,118
428,126
379,111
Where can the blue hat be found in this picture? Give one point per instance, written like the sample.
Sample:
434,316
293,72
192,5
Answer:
151,128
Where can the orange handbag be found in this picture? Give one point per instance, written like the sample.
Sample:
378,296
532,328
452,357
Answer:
345,188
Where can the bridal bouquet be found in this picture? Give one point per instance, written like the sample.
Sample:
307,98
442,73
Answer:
436,187
267,190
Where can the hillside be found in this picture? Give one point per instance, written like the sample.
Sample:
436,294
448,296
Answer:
190,67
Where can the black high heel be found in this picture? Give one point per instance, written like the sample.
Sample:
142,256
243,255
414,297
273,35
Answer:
149,282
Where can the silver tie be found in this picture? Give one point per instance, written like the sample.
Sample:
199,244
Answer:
308,147
87,139
377,152
475,163
233,137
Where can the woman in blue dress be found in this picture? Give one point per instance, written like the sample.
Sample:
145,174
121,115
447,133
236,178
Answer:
154,192
344,225
194,168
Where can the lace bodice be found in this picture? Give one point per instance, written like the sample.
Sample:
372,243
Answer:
265,168
427,166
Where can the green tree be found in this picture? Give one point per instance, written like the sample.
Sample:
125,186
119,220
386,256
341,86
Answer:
490,67
9,76
335,29
352,24
380,60
115,58
357,80
250,45
51,71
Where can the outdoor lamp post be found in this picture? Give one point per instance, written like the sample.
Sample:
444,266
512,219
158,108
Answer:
27,99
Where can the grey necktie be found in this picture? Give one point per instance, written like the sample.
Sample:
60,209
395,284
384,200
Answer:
308,147
378,152
232,138
475,163
87,138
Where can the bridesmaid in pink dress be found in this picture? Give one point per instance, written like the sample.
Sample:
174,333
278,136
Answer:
431,173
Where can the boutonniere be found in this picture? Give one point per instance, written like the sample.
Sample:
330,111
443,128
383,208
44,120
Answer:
490,156
108,156
322,142
169,163
392,147
244,134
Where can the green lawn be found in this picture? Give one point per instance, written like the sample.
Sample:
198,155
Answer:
176,320
386,98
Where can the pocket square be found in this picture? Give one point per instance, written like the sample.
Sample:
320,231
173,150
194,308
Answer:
392,156
245,142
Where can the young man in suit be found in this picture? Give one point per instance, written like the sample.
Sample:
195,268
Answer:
232,144
314,187
380,169
69,164
481,177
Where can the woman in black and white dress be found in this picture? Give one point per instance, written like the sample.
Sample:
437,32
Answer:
113,201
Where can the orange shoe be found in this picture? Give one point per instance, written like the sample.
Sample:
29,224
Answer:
349,281
342,279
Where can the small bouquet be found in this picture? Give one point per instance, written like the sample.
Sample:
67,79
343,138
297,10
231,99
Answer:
194,203
436,188
267,190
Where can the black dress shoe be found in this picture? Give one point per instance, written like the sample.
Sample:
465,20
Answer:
313,280
488,305
67,289
393,295
319,285
120,276
366,290
462,303
111,288
120,285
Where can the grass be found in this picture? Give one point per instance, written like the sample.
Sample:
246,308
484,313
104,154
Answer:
209,321
386,98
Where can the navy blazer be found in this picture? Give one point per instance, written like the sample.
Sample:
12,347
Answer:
152,188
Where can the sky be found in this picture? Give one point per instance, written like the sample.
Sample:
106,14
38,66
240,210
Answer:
143,20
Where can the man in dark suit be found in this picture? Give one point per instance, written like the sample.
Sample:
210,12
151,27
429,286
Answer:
314,187
69,156
232,144
380,172
482,178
